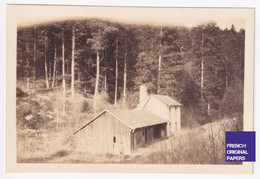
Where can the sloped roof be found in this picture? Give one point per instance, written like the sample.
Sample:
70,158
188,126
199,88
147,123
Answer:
132,118
137,118
167,100
163,98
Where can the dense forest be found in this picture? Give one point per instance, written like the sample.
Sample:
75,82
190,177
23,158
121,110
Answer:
201,67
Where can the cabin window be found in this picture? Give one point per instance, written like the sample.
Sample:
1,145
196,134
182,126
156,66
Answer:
114,139
142,132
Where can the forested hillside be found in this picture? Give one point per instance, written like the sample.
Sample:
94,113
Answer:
202,67
68,71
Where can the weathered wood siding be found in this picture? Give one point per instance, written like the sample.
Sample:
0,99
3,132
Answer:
105,135
147,135
175,117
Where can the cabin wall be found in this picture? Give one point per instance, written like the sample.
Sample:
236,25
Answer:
105,135
157,107
175,120
178,118
172,114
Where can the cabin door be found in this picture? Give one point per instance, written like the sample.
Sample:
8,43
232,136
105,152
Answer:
118,147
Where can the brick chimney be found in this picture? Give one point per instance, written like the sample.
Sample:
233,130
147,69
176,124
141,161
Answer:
143,93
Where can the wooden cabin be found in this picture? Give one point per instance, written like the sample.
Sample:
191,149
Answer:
165,107
120,131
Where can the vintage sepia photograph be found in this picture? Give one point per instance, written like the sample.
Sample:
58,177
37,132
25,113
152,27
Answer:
129,85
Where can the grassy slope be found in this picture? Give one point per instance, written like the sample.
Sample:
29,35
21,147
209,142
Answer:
46,135
202,145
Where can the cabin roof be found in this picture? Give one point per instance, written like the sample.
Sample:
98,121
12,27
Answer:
163,98
137,118
133,119
167,100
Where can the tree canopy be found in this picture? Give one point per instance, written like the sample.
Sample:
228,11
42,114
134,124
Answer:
202,67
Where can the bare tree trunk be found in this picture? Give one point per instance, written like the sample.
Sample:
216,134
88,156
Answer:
116,82
56,79
202,69
105,81
105,76
97,76
125,67
50,68
202,78
45,61
96,85
67,67
49,77
226,77
226,71
159,63
34,58
79,77
208,108
27,83
63,74
27,64
54,65
72,61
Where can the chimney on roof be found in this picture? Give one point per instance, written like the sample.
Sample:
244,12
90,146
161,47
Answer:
143,93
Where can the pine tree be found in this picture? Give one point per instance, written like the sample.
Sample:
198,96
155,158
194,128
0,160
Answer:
72,61
97,46
45,59
125,72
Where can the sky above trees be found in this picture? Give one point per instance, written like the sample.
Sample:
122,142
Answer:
188,17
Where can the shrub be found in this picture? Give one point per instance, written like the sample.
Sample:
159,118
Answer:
202,145
86,107
190,117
